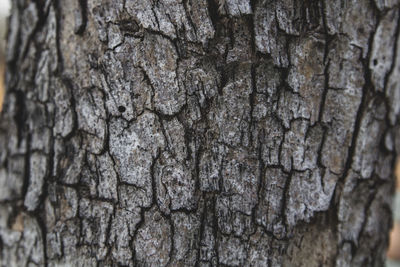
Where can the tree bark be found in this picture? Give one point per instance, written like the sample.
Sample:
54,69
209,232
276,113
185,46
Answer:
199,133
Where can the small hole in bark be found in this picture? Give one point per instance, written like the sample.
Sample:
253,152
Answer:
375,62
121,109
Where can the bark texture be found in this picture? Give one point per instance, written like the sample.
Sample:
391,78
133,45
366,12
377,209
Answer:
199,132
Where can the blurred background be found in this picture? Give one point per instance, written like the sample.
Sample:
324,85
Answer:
394,249
4,10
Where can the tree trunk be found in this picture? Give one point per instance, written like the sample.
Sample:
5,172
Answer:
199,133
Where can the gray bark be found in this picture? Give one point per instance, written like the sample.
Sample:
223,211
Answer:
199,133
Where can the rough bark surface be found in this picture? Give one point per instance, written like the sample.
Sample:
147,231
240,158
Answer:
199,132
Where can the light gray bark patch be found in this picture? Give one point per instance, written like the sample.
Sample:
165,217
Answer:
300,146
171,18
346,84
240,181
292,106
261,254
124,225
143,12
175,184
192,113
107,187
27,27
42,77
231,117
383,48
267,38
240,186
123,255
64,118
366,21
12,37
23,243
53,242
231,251
132,197
83,257
313,198
306,75
269,209
91,117
187,230
199,16
288,15
158,57
175,137
103,13
384,4
234,7
333,14
352,207
383,166
134,146
50,36
127,91
100,25
393,87
70,241
343,20
270,137
38,170
115,37
200,80
338,138
232,221
153,240
96,217
373,226
371,128
210,164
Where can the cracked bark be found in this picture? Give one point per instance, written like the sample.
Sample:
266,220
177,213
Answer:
199,133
